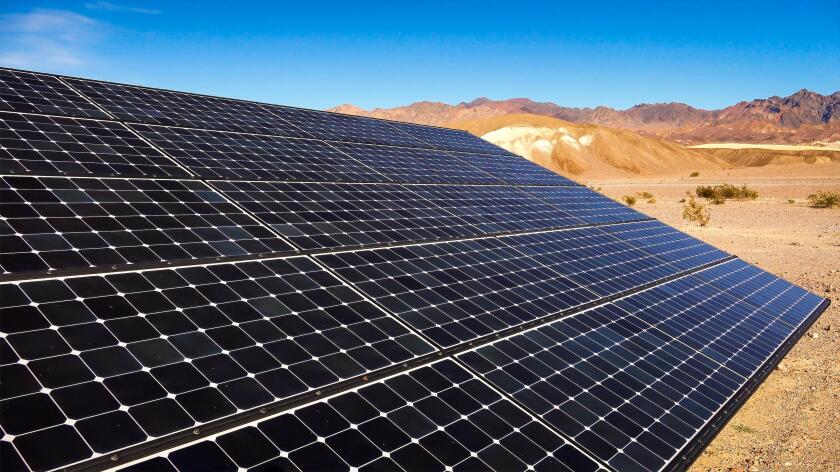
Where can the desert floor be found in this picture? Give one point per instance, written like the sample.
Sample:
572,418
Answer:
793,421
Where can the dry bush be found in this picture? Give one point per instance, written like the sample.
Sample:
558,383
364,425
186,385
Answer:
646,195
593,188
630,200
791,201
824,199
695,174
651,200
696,211
718,194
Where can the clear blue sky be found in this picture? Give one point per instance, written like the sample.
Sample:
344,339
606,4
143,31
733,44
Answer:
319,54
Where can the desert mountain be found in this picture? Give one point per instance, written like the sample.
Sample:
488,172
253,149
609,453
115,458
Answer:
584,151
803,117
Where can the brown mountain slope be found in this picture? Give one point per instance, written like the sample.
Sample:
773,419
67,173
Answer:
802,117
588,151
757,157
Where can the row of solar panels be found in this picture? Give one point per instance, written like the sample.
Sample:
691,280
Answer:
54,223
607,344
222,138
52,145
94,364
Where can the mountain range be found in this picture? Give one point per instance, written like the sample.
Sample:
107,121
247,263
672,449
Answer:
803,117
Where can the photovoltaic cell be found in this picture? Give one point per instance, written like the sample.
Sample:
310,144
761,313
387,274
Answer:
634,381
103,362
73,223
40,93
163,107
590,206
513,169
667,243
225,155
48,145
458,291
438,417
416,165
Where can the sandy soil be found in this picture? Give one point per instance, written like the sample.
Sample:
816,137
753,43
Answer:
792,422
779,147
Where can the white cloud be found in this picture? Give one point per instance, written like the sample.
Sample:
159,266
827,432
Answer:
43,39
108,6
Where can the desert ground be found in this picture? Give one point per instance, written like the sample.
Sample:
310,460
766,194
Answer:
792,422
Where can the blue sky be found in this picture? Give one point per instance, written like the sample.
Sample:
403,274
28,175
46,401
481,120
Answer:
319,54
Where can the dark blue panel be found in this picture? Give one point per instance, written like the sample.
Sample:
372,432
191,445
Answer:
402,164
45,145
224,155
163,107
434,418
75,223
41,93
585,204
667,243
593,259
455,292
120,358
634,381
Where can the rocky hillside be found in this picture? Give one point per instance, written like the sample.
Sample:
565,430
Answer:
583,151
803,117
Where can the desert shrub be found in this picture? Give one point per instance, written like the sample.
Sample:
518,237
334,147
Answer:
696,211
594,189
695,174
791,201
718,194
824,199
681,200
651,200
630,200
647,195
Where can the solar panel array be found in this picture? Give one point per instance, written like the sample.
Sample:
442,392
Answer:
200,283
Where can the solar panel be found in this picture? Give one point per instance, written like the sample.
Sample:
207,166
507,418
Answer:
513,169
40,93
338,127
449,139
667,243
225,155
635,381
49,145
438,417
458,291
163,107
585,204
104,362
593,259
448,305
497,208
331,215
53,223
416,165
